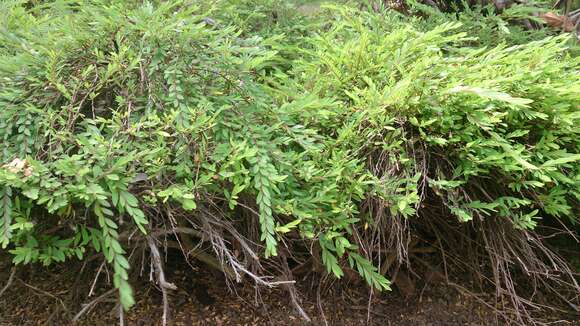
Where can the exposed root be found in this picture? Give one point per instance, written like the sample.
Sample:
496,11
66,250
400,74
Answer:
292,291
507,248
496,254
163,284
319,302
214,229
121,315
10,280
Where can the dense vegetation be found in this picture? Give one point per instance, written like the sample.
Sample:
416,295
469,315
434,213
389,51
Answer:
268,136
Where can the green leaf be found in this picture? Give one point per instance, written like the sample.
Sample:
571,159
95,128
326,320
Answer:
462,214
563,160
125,294
31,193
117,247
288,227
113,177
492,95
189,204
129,198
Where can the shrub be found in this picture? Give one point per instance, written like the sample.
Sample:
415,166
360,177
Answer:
150,108
170,117
491,131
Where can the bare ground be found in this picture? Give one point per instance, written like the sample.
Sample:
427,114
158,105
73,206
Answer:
53,296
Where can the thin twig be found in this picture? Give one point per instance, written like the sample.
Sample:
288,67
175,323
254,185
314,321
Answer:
96,278
43,292
10,280
89,305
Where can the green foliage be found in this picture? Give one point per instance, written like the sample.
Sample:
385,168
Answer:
503,118
114,111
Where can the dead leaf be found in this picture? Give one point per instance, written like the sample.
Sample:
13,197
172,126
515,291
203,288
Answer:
28,171
16,165
558,21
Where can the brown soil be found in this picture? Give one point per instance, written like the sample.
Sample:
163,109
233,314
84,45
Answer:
41,296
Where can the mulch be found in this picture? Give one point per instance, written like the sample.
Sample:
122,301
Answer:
54,295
